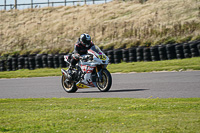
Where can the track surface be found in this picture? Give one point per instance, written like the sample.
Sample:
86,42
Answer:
132,85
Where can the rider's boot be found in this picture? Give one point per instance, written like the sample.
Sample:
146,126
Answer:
69,72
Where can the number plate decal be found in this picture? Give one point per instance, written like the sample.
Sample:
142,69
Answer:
102,57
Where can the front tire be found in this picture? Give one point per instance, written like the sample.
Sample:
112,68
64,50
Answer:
69,87
106,83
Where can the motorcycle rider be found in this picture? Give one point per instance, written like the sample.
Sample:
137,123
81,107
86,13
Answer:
83,44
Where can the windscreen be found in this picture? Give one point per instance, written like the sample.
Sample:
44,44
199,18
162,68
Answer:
96,49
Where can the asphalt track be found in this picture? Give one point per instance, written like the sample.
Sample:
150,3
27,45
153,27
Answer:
132,85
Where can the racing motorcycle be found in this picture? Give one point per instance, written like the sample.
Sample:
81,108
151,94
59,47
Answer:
89,72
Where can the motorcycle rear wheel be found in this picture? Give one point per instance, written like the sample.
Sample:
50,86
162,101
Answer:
69,87
106,83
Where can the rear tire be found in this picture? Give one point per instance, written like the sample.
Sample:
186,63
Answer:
105,85
69,87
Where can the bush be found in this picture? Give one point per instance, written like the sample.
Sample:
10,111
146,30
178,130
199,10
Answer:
169,40
186,39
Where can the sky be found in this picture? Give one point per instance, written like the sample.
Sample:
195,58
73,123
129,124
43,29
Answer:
38,1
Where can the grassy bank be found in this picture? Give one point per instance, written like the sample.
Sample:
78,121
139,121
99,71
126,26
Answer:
100,115
168,65
114,24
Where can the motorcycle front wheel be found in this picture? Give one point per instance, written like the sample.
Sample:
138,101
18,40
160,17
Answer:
106,82
69,87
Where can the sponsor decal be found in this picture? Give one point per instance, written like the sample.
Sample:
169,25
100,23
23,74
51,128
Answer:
80,85
89,69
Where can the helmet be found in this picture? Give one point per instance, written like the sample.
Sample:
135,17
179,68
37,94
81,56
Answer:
85,40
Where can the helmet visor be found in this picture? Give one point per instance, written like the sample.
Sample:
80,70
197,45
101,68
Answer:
87,43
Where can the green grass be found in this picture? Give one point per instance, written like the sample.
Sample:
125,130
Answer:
100,115
31,73
167,65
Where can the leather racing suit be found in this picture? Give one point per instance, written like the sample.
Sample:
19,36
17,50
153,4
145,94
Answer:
79,50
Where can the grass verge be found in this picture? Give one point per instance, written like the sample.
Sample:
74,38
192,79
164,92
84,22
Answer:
100,115
167,65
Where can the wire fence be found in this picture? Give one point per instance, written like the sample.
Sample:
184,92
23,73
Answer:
33,4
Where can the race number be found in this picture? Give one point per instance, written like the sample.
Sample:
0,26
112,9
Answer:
102,57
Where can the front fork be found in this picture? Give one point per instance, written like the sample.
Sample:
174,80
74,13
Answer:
99,73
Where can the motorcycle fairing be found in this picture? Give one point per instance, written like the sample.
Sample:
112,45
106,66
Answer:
87,81
66,57
88,68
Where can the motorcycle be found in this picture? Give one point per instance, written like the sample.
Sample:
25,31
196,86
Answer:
89,72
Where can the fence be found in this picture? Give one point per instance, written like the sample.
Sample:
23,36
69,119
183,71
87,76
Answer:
15,5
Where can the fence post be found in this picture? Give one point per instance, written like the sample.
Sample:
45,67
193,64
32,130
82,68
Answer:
32,4
4,4
93,1
15,4
85,2
65,2
48,3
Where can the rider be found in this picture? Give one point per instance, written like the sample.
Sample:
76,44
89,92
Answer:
83,44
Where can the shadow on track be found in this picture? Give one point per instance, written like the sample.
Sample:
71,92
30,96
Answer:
127,90
110,91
